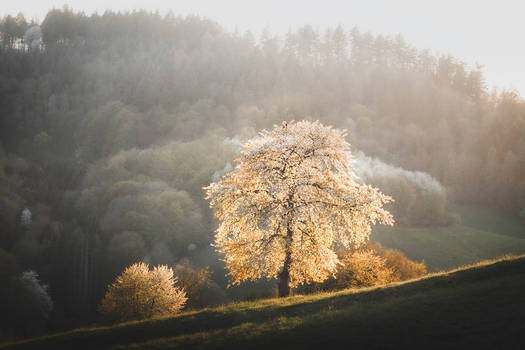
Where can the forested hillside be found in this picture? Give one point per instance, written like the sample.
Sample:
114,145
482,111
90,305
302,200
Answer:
111,124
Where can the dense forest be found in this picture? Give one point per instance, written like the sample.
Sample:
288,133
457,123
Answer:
111,125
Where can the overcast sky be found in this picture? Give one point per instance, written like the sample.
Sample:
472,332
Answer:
487,32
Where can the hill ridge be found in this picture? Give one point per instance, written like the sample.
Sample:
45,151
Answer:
447,306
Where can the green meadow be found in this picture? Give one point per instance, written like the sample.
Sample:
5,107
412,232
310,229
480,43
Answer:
483,233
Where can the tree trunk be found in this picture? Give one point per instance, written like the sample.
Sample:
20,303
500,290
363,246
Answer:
284,281
284,276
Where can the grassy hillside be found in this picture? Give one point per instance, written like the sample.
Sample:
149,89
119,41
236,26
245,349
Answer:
487,219
484,233
477,307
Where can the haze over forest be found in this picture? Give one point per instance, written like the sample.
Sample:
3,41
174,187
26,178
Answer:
112,124
476,32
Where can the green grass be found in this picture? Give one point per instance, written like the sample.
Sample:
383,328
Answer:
483,234
490,220
480,307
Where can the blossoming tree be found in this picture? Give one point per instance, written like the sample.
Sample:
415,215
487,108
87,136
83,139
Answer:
289,203
140,293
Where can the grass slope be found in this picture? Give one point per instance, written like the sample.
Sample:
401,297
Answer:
490,220
483,234
480,307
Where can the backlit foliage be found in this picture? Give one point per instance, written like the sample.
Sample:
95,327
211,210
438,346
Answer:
289,202
368,265
402,267
362,269
140,293
200,288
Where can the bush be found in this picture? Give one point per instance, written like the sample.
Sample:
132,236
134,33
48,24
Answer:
140,293
201,289
402,267
363,269
367,266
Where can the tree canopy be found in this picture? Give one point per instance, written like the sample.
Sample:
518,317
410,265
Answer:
290,200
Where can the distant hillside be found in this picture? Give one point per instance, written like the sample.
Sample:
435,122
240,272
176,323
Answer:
483,233
472,308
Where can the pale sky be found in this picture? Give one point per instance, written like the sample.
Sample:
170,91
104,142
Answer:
485,32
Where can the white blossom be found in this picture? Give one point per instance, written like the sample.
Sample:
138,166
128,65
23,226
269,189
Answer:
366,167
32,284
26,217
33,37
290,202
